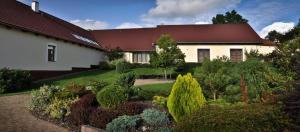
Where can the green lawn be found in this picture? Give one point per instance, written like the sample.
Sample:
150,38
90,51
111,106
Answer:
107,76
150,90
150,71
85,77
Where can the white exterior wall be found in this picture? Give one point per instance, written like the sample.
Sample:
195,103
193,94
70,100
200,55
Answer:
24,50
128,57
191,51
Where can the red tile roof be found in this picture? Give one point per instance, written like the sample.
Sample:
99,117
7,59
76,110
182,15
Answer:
18,15
143,39
139,39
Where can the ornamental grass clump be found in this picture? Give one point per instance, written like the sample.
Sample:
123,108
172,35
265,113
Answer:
185,98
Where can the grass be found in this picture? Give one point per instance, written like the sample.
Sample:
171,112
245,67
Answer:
84,78
150,90
150,71
107,76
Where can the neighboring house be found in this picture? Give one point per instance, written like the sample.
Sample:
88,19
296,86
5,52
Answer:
195,41
47,46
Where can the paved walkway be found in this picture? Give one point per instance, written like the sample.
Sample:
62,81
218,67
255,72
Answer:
151,81
14,117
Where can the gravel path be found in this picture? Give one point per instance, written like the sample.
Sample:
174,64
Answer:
14,117
151,81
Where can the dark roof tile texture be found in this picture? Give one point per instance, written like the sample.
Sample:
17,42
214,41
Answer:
143,39
19,15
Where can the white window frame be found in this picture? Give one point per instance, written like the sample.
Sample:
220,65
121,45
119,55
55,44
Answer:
142,57
55,52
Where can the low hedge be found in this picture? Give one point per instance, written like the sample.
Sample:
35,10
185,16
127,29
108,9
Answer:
254,117
14,80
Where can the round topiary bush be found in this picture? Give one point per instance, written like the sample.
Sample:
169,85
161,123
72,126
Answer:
185,98
111,96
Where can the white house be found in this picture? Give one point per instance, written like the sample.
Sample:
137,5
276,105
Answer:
195,41
47,46
43,44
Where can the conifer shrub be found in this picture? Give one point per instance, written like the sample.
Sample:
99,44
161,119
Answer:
155,117
126,80
185,98
160,101
112,96
123,124
122,67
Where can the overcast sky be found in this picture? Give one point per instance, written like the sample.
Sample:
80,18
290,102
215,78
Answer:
263,15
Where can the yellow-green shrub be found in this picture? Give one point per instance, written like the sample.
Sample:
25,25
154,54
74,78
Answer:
54,108
160,101
185,98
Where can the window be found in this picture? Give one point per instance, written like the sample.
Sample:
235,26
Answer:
202,54
51,53
236,55
140,57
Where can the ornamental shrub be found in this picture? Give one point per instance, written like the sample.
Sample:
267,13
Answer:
42,97
81,109
236,118
185,98
131,108
155,117
160,101
76,89
56,104
122,67
126,80
111,96
105,66
99,117
14,80
123,124
96,86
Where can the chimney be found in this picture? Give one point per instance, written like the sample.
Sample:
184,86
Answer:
35,5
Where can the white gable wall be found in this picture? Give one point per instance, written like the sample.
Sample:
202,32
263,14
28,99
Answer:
24,50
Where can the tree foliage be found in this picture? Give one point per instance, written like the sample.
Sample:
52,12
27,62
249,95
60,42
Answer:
286,57
168,54
114,54
284,38
241,81
214,76
274,36
229,18
185,98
